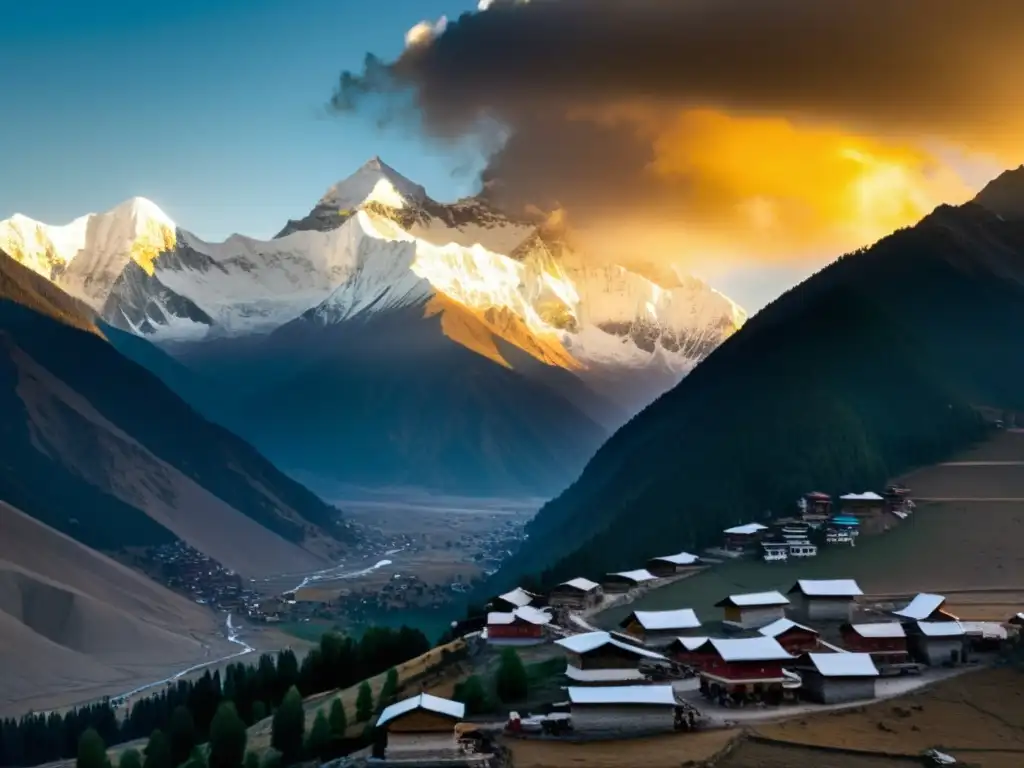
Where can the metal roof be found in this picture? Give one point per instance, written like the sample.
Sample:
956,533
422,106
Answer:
602,675
755,598
987,629
590,641
684,618
624,694
682,558
922,606
526,613
750,649
882,629
454,709
780,626
639,575
844,664
586,585
866,496
517,597
827,588
748,528
941,628
691,643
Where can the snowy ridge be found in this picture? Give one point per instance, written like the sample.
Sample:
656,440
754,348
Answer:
373,243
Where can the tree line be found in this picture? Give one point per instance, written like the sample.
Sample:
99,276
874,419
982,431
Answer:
186,713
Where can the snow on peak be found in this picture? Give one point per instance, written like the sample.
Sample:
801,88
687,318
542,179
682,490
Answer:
375,181
86,256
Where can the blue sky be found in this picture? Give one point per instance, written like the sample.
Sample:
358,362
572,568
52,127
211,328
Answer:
213,109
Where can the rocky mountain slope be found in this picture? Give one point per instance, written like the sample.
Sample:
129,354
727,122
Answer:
374,266
75,625
97,447
871,366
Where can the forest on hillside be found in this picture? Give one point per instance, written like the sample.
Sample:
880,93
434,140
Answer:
872,366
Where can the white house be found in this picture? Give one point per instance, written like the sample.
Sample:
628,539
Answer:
623,710
753,610
823,599
834,678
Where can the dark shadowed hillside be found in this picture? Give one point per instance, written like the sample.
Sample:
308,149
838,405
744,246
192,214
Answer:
869,367
97,447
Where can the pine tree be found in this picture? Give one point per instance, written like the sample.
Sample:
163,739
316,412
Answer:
337,720
252,760
319,740
92,752
158,751
182,734
196,760
259,711
227,738
511,681
388,690
364,703
471,693
289,727
130,758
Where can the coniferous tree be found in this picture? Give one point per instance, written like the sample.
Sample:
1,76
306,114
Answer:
227,738
92,752
158,751
259,711
511,681
289,727
388,690
130,758
252,760
182,734
364,703
337,720
319,740
471,693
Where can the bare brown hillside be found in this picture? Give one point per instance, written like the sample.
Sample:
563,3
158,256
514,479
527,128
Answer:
75,624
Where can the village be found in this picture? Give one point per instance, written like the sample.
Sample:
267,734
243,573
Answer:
820,645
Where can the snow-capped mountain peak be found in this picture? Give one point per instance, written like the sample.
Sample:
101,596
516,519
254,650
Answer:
375,181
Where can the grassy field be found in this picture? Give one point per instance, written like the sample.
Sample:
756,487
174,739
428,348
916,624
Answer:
978,717
668,751
962,549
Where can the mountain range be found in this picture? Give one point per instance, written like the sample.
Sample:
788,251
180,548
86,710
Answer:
386,339
878,363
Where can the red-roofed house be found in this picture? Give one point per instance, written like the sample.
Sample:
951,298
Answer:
795,638
745,668
886,642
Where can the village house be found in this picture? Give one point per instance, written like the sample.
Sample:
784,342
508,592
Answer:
753,610
623,581
869,508
825,599
692,652
517,598
576,594
815,508
925,607
775,551
984,635
670,565
795,638
660,627
623,710
886,642
937,643
743,538
836,678
842,530
597,658
745,668
421,729
523,626
897,499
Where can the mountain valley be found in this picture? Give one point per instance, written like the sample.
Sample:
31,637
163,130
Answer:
389,340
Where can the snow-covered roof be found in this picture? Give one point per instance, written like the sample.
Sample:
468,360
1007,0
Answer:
881,629
922,606
601,675
781,626
844,664
941,628
454,709
746,529
585,585
987,629
590,641
517,597
684,618
691,643
682,558
639,575
526,613
754,599
750,649
624,694
827,587
866,496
